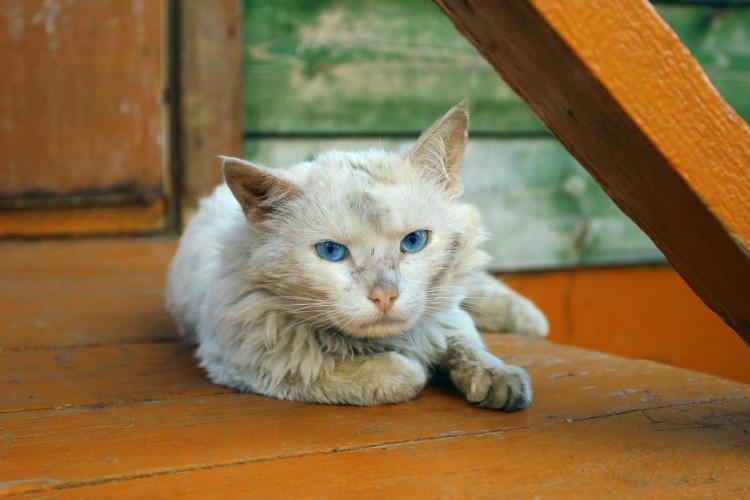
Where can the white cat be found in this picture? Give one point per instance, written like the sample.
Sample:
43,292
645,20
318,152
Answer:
348,279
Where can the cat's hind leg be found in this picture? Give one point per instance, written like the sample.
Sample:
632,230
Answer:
495,307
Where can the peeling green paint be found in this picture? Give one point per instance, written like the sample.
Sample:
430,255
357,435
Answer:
351,66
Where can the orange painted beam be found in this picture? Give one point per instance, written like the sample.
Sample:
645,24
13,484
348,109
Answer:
626,98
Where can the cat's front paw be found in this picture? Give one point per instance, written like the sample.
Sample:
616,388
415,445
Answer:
394,378
383,378
497,386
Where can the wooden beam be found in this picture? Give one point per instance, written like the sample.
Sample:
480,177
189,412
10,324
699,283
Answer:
626,98
210,95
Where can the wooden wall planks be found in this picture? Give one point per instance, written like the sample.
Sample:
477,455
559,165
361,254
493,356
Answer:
637,312
377,69
348,67
83,128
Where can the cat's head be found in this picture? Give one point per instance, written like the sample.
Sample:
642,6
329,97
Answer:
367,242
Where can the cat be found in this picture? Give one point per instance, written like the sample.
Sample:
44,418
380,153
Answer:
348,279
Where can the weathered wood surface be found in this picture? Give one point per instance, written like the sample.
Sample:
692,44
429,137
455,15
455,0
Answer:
225,431
627,99
83,293
209,93
133,415
81,119
631,454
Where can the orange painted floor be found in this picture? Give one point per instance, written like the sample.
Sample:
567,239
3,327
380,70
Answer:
98,399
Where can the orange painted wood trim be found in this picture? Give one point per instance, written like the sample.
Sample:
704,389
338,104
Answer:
627,99
84,221
636,312
210,94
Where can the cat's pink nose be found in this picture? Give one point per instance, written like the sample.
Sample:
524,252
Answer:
383,298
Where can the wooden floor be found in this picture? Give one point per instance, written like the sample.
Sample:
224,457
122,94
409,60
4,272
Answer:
99,399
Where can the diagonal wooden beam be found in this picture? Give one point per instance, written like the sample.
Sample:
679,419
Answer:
619,90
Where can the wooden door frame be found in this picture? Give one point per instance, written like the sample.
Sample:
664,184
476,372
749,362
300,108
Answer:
206,122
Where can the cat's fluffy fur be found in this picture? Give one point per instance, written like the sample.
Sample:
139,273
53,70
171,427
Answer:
271,316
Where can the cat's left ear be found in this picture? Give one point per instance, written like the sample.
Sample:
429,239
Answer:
260,191
441,148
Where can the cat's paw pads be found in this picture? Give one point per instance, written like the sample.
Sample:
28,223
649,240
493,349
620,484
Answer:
503,387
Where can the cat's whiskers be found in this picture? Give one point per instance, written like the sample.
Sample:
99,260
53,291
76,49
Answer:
327,316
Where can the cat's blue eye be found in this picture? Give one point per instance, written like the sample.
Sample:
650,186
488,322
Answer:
414,242
331,251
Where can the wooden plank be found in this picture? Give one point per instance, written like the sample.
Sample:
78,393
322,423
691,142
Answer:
81,102
34,380
571,385
98,259
541,207
83,292
125,311
629,455
626,98
209,93
84,221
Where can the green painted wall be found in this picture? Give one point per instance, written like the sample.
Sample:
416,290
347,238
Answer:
355,73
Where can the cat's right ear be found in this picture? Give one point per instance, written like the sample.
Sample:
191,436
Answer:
440,150
259,191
